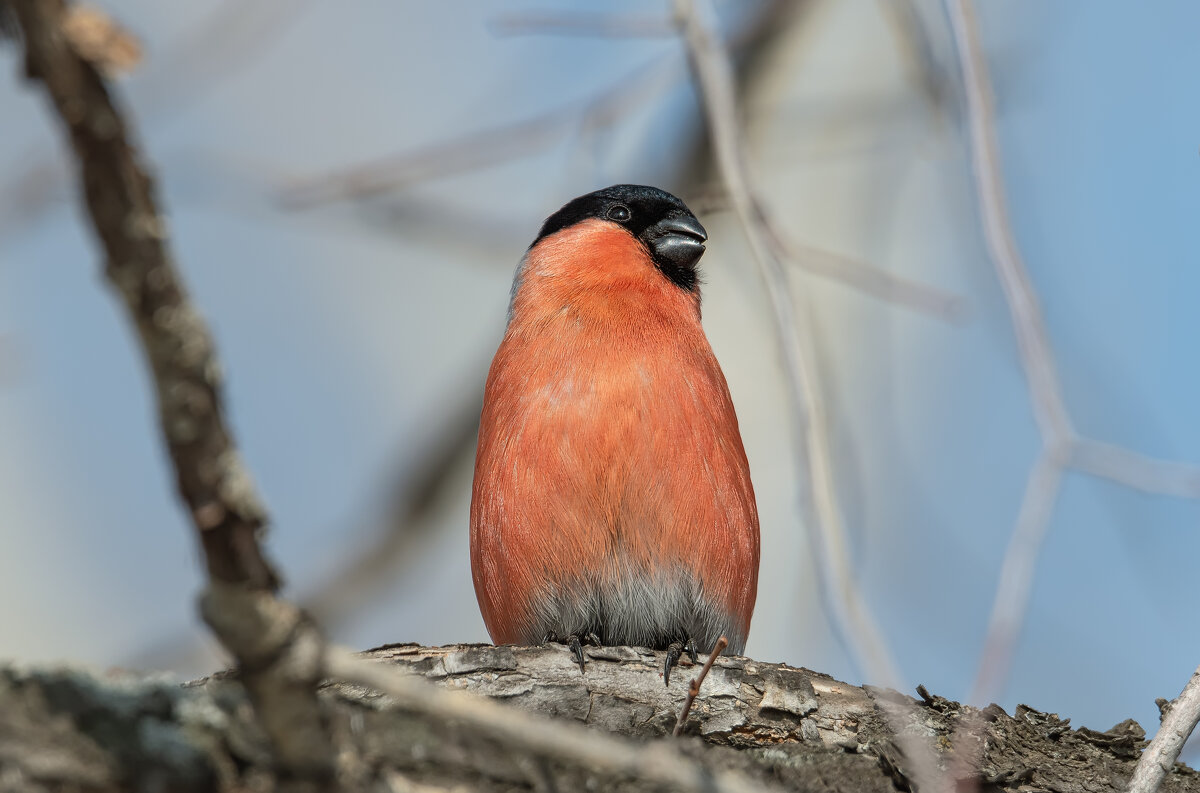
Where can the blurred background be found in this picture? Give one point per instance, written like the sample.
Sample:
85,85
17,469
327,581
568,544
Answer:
351,188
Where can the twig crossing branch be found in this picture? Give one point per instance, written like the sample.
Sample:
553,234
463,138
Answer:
822,514
694,686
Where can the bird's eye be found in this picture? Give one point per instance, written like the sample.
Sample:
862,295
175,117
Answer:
619,213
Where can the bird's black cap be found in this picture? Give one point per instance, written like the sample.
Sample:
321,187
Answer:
660,221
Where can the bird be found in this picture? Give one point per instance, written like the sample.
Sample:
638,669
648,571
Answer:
612,501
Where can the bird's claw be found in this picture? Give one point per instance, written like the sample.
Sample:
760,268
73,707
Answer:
675,651
575,644
577,652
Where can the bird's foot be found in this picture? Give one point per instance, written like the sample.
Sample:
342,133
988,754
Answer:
675,651
575,644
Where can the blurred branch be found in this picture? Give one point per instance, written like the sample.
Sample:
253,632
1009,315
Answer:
1062,444
1011,601
868,279
183,72
277,647
1033,343
1178,721
562,23
417,490
1135,470
713,75
525,138
487,147
225,42
473,152
911,31
859,275
850,613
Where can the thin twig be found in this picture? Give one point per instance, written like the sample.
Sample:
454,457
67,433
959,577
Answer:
868,279
471,152
1016,578
656,762
234,35
819,503
1178,722
486,147
382,175
855,273
1135,470
416,491
381,555
277,647
850,613
694,686
1033,343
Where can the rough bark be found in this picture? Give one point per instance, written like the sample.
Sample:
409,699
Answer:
64,729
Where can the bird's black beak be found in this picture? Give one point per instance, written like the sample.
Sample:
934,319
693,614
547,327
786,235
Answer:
678,241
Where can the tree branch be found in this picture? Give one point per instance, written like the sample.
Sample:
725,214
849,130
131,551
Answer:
1178,720
277,647
755,726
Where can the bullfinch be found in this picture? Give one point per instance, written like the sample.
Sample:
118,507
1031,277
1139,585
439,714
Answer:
612,501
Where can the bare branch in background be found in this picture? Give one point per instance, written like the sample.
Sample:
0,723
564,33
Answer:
183,72
418,491
478,150
1062,444
1178,721
859,275
415,491
1135,470
278,649
1016,577
867,278
822,514
850,613
560,23
1033,343
913,35
472,152
487,147
228,40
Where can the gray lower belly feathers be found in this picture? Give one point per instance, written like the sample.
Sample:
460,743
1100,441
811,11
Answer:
634,610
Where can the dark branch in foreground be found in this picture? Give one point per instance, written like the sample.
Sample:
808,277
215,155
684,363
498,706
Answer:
771,724
278,649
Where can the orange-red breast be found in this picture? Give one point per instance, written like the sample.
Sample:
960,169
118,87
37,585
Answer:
612,497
